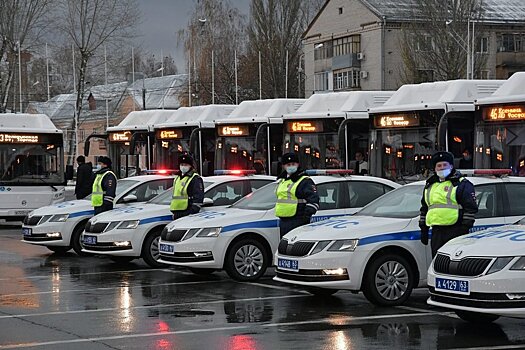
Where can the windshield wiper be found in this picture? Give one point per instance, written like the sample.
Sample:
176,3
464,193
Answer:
47,183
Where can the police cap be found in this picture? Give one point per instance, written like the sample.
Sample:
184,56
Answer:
104,160
289,158
186,158
442,156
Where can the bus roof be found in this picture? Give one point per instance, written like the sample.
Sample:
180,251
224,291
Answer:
511,91
25,122
194,116
262,110
143,120
447,95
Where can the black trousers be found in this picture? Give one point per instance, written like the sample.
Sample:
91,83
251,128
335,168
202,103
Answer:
443,234
106,206
288,224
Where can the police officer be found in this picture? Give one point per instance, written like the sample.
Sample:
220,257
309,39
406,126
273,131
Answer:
297,198
104,186
448,204
188,189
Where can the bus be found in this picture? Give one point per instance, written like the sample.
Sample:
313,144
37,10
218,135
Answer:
420,119
251,137
499,140
32,173
328,129
189,129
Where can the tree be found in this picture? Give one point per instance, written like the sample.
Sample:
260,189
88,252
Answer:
434,45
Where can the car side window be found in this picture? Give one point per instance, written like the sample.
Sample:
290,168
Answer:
516,199
330,195
226,193
361,192
486,199
148,190
256,184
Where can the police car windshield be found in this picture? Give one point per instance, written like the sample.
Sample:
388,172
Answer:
165,197
402,203
262,199
122,186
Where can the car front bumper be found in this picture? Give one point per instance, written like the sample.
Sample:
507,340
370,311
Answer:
201,252
46,233
111,242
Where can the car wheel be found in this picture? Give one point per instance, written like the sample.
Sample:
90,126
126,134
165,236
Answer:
150,250
247,260
76,242
321,292
389,280
122,259
199,271
476,317
59,250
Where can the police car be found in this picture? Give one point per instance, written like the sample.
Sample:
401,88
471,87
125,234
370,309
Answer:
242,238
133,232
482,275
378,250
59,226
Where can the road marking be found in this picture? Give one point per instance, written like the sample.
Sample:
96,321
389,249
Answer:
141,307
503,347
85,274
287,289
215,329
417,309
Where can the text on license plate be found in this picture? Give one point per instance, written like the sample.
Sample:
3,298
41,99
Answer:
453,286
27,231
90,239
167,248
288,264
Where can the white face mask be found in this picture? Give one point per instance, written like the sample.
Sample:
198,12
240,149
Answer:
443,173
97,167
291,169
184,168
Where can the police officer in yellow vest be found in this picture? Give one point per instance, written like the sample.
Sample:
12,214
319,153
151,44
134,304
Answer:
297,198
104,186
448,205
188,189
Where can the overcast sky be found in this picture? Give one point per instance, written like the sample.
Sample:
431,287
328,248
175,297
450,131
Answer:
161,19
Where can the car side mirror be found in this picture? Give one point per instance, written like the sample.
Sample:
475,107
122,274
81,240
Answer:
130,198
207,202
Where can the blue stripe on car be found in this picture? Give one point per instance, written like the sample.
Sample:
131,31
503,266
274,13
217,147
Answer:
156,219
82,213
252,224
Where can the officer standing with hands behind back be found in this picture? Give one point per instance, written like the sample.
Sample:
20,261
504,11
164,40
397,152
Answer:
188,189
104,186
297,198
448,205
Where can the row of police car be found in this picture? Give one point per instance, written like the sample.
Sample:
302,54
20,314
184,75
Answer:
364,238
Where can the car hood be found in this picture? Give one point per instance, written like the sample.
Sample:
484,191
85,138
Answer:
350,227
227,218
498,241
145,213
77,207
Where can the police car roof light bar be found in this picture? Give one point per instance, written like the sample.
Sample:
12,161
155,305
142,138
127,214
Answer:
486,172
159,172
341,172
234,172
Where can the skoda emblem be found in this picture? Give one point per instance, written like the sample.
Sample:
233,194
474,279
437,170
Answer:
458,253
293,239
24,202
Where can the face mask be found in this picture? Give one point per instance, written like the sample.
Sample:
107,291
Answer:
184,169
443,173
291,169
97,167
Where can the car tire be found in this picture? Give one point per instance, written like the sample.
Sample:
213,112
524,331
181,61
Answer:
122,259
150,249
58,250
75,241
321,292
389,280
476,317
247,260
202,272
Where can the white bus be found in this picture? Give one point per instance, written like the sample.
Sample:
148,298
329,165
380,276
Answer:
31,164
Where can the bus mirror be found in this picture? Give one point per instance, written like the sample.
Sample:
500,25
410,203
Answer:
206,168
69,172
276,168
86,148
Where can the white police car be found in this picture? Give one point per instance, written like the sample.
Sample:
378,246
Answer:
59,226
242,238
482,275
378,250
133,232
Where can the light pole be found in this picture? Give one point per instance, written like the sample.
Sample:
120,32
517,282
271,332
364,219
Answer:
301,69
144,87
465,45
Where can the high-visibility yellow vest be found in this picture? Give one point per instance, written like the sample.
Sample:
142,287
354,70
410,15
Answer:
443,208
97,194
180,198
287,201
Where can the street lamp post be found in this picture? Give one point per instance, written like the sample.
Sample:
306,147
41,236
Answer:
465,45
302,69
144,87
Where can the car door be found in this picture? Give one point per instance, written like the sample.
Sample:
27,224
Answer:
490,206
333,200
514,200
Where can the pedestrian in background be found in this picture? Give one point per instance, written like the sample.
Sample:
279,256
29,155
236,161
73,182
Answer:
85,177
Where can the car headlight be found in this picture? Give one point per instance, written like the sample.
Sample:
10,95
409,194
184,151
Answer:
499,264
45,218
128,224
111,226
344,245
59,218
190,233
519,264
209,232
320,246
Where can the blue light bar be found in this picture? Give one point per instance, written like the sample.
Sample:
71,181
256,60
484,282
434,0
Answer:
312,172
234,172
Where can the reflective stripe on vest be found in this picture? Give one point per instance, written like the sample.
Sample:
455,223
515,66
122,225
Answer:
97,194
287,201
443,208
180,198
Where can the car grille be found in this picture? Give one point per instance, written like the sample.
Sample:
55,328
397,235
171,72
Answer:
463,267
172,236
296,249
309,276
32,220
184,257
99,227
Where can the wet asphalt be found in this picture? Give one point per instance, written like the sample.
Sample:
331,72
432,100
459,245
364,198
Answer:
69,302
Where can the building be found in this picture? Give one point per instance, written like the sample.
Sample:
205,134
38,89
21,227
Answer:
355,44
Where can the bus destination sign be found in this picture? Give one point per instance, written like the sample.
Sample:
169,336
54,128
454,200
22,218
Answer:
169,134
396,120
233,130
123,136
504,113
19,138
304,126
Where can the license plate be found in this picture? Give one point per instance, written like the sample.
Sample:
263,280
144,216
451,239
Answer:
287,264
27,231
452,286
22,212
89,240
167,248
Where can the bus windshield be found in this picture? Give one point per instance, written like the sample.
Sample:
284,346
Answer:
33,164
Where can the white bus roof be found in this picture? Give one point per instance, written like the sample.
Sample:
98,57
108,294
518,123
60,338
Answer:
143,120
25,122
197,116
263,110
511,91
340,104
448,95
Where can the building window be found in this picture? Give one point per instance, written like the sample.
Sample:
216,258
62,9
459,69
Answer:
323,50
346,79
424,75
511,42
483,45
321,81
347,45
340,9
423,43
484,74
